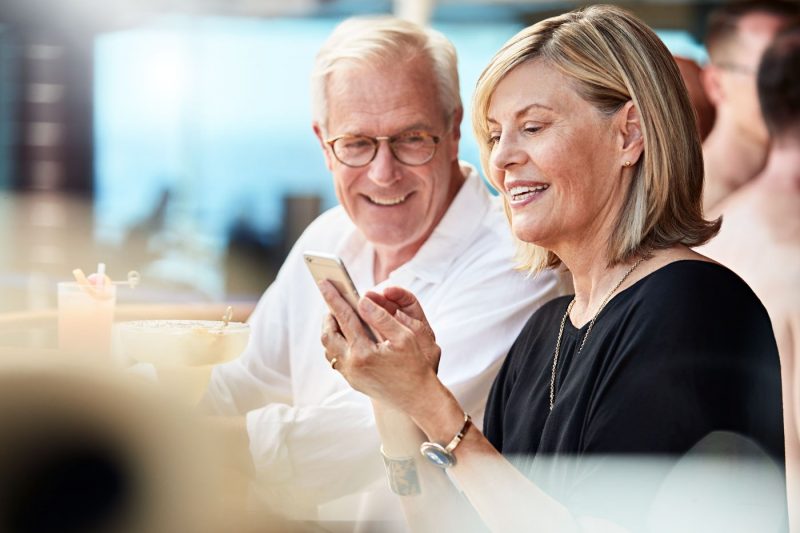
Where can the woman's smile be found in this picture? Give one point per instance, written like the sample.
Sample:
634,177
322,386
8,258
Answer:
520,195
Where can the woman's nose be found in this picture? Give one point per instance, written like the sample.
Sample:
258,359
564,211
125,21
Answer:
506,152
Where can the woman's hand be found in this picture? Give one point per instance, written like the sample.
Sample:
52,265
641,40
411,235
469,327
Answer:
404,306
395,370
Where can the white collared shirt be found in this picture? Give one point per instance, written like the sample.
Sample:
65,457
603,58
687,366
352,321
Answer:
313,437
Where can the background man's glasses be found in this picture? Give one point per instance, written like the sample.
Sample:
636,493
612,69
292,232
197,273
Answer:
411,148
736,67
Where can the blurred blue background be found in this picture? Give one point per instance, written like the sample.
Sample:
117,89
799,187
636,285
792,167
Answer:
215,113
174,136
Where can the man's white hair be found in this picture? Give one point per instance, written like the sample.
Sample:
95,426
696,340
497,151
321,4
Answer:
381,41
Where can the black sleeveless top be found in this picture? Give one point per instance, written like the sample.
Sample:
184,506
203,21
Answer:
685,352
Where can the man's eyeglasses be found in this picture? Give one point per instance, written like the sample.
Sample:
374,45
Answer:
411,148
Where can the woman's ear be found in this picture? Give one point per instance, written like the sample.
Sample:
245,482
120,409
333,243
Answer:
630,134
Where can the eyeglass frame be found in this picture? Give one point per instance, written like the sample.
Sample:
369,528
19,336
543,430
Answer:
376,145
736,68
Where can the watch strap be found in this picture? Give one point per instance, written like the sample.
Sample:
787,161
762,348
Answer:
460,435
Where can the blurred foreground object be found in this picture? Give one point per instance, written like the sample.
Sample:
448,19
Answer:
84,450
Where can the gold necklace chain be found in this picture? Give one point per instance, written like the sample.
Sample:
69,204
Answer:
589,330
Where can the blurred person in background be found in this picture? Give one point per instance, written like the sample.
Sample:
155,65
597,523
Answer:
760,238
387,113
692,75
736,149
586,129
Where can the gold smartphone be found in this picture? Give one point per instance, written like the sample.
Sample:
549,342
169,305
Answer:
330,267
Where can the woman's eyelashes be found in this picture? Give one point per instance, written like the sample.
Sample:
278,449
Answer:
531,129
527,129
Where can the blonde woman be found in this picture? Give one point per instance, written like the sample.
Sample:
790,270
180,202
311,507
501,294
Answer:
588,133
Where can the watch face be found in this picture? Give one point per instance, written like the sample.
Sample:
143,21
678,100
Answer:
437,455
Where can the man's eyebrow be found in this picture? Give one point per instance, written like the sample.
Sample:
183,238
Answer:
417,126
523,111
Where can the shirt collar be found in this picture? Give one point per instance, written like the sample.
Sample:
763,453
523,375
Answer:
454,231
450,237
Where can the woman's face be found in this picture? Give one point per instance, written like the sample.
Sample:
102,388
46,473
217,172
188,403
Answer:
555,157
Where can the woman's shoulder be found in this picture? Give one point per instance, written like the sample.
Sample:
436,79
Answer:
694,282
702,303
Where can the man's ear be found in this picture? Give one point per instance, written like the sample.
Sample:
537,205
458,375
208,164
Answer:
710,77
630,133
321,138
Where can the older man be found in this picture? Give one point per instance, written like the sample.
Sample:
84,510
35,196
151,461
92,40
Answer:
387,114
760,236
736,149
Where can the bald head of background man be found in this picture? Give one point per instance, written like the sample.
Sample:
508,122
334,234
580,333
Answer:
737,35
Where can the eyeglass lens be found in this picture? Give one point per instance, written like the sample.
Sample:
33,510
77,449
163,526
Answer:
410,149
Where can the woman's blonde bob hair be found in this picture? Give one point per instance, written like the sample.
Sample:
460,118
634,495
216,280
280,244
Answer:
612,58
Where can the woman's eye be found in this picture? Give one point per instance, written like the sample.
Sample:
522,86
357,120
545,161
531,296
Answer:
493,139
532,129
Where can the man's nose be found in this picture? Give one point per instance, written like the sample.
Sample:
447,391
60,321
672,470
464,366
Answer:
384,168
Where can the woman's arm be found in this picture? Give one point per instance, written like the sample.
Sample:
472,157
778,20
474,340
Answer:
399,374
430,501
